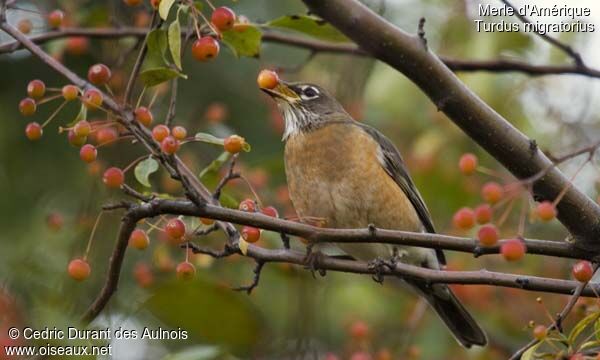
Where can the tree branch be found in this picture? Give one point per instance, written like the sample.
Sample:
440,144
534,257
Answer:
478,120
459,65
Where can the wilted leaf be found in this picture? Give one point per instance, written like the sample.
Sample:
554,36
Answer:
143,170
155,76
244,42
311,26
164,8
208,312
209,138
174,33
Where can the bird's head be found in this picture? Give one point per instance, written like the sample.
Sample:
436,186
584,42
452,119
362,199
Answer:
304,106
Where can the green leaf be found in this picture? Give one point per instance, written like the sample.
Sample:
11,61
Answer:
164,8
215,165
581,326
530,353
199,5
209,313
157,45
243,42
155,76
311,26
208,138
143,170
175,42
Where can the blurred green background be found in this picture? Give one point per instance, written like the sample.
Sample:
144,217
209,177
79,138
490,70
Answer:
50,199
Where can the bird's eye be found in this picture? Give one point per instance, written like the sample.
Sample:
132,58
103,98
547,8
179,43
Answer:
310,92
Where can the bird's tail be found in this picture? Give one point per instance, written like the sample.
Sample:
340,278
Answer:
462,325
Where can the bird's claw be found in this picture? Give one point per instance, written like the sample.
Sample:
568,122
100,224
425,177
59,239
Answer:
379,265
312,261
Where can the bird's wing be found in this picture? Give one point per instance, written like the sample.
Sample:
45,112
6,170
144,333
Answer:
394,165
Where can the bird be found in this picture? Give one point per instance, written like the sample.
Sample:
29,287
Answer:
351,176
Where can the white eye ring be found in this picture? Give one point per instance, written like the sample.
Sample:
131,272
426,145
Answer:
311,89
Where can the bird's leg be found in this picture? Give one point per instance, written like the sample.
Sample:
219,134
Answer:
313,259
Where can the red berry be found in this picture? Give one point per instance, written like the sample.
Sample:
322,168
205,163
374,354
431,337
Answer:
139,239
82,128
92,98
223,18
250,234
27,107
33,131
55,18
160,132
70,92
25,26
234,144
468,163
205,49
75,140
488,235
175,229
143,275
492,192
270,211
169,145
512,249
540,332
185,271
99,74
267,79
79,269
36,89
113,177
132,2
88,153
77,45
179,132
464,218
359,330
106,135
144,116
546,211
583,271
247,205
483,214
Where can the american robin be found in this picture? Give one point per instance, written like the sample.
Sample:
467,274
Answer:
352,176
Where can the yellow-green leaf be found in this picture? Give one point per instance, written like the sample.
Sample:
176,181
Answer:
208,138
155,76
82,115
174,33
215,165
311,26
530,353
157,45
164,8
143,170
243,245
243,42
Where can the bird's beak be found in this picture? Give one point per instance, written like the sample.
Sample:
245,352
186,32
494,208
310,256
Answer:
283,92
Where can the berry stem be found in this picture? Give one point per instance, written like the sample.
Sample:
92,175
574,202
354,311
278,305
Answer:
506,212
91,239
114,140
523,216
491,172
49,98
134,162
210,4
154,96
155,226
109,90
139,100
58,109
208,23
